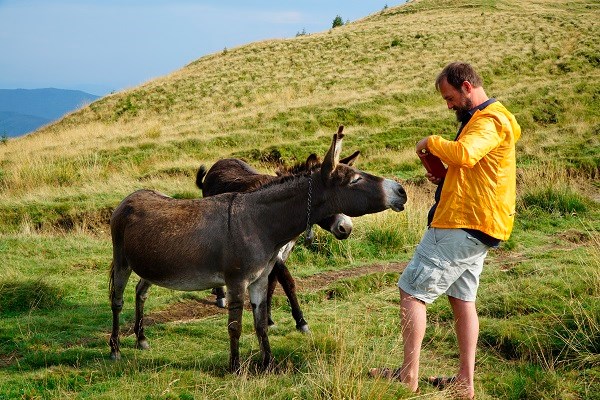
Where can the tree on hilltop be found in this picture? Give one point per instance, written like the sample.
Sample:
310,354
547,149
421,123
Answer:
337,21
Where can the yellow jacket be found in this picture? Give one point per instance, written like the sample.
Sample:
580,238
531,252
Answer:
480,185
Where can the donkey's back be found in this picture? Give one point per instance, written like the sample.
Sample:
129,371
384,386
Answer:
169,242
230,175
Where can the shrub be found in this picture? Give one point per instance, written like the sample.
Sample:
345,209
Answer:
337,21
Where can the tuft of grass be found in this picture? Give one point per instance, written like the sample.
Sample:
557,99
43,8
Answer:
562,201
365,284
339,370
28,295
529,381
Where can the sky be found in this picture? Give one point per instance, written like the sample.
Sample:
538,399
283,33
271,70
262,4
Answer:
104,46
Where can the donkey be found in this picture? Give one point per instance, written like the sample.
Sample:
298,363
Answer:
235,175
232,239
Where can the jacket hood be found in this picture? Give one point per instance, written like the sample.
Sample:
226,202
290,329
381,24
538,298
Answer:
516,128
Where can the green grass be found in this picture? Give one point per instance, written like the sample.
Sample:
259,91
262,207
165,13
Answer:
22,296
540,324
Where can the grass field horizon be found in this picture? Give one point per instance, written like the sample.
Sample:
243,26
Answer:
275,102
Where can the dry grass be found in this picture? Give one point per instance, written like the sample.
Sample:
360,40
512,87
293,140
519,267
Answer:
249,91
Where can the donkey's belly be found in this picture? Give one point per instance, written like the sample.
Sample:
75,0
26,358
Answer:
191,285
186,280
177,270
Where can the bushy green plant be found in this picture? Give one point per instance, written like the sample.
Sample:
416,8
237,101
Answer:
337,21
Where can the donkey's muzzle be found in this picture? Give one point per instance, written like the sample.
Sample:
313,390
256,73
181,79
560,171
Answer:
339,225
396,195
343,227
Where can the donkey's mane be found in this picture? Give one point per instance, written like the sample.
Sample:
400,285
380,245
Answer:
296,169
287,173
281,179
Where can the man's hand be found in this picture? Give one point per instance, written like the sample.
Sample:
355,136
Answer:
422,145
433,179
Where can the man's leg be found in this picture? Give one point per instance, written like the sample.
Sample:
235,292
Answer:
467,330
414,320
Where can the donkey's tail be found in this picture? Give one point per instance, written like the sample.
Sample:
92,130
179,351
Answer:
200,177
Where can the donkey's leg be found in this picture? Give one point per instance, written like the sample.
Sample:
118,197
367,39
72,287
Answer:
119,275
270,291
258,290
141,294
289,287
220,293
235,299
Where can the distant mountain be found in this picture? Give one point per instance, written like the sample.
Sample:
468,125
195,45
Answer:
14,124
25,110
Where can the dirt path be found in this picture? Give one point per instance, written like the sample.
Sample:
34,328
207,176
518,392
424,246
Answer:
192,309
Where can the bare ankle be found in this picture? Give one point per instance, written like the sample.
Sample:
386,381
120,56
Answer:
410,380
464,389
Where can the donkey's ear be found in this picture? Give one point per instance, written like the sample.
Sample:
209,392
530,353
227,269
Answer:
350,159
312,162
200,177
333,155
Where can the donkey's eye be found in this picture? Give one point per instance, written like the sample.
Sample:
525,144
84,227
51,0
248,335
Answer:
355,180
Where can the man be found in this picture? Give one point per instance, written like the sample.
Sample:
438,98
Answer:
474,211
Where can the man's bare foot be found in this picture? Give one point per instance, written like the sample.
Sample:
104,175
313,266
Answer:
459,389
391,375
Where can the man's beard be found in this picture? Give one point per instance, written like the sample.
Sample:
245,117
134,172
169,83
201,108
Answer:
462,111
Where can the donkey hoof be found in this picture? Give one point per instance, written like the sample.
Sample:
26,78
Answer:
303,328
268,365
234,367
221,303
115,356
142,345
273,327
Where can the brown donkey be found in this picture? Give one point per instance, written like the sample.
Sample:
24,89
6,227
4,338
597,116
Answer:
232,239
234,175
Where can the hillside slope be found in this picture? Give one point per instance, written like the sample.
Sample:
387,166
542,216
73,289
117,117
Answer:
279,100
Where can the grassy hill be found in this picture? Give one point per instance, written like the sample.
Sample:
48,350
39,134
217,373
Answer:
374,75
278,101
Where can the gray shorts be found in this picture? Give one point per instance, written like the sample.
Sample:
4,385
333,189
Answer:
446,261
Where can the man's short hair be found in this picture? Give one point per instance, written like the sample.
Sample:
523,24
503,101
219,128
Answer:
456,73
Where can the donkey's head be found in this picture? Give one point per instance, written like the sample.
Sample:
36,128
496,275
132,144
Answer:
354,192
235,175
339,225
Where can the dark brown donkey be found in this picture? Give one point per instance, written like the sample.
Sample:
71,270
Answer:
235,175
232,239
